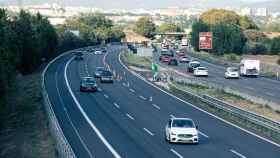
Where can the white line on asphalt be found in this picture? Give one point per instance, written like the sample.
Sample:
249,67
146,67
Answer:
99,89
68,117
123,84
132,90
189,104
142,97
106,96
129,116
116,105
156,106
249,88
203,134
176,153
237,153
172,116
149,132
96,130
270,94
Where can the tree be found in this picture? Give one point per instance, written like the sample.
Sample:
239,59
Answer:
275,45
227,38
145,27
217,16
247,23
169,27
198,26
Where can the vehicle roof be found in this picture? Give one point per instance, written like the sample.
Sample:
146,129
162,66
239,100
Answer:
194,61
201,67
180,118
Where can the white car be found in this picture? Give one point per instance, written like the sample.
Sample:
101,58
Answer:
97,52
232,72
200,71
181,130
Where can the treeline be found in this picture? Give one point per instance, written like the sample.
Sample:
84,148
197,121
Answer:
233,34
25,40
28,40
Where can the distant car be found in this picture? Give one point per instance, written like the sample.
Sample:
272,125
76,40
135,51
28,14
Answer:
192,65
165,58
79,56
98,71
98,52
181,130
173,61
232,72
106,76
103,49
184,59
180,54
88,84
200,71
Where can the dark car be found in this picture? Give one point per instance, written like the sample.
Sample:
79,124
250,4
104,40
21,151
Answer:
98,71
79,56
103,49
106,77
192,65
88,84
173,62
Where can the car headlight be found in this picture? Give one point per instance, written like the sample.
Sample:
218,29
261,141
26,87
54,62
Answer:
174,134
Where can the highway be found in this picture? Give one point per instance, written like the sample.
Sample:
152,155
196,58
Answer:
120,120
260,87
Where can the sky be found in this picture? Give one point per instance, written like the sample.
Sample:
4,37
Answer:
134,4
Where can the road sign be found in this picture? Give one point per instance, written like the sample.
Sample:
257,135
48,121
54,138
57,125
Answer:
205,40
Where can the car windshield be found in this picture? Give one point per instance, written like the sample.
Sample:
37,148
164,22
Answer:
183,123
89,80
100,69
233,69
201,68
195,65
106,73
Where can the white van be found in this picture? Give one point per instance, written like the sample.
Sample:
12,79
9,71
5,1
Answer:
249,67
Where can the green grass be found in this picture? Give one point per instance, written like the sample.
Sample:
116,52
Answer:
221,59
138,61
24,126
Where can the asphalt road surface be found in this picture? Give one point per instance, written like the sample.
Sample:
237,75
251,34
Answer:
121,120
260,87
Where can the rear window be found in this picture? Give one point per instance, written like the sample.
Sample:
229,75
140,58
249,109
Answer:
201,68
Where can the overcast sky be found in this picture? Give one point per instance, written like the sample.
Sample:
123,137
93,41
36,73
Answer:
108,4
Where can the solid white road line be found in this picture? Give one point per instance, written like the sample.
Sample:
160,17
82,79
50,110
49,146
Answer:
99,89
142,97
69,118
149,132
237,153
176,153
270,94
132,90
189,104
106,96
201,133
116,105
156,106
129,116
96,130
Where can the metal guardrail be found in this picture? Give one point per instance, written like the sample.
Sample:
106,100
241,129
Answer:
250,116
63,146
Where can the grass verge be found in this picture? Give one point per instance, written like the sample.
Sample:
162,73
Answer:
24,127
137,61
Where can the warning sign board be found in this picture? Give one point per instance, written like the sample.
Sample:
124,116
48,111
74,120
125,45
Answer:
205,40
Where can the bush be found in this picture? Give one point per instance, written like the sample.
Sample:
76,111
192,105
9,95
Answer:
255,48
